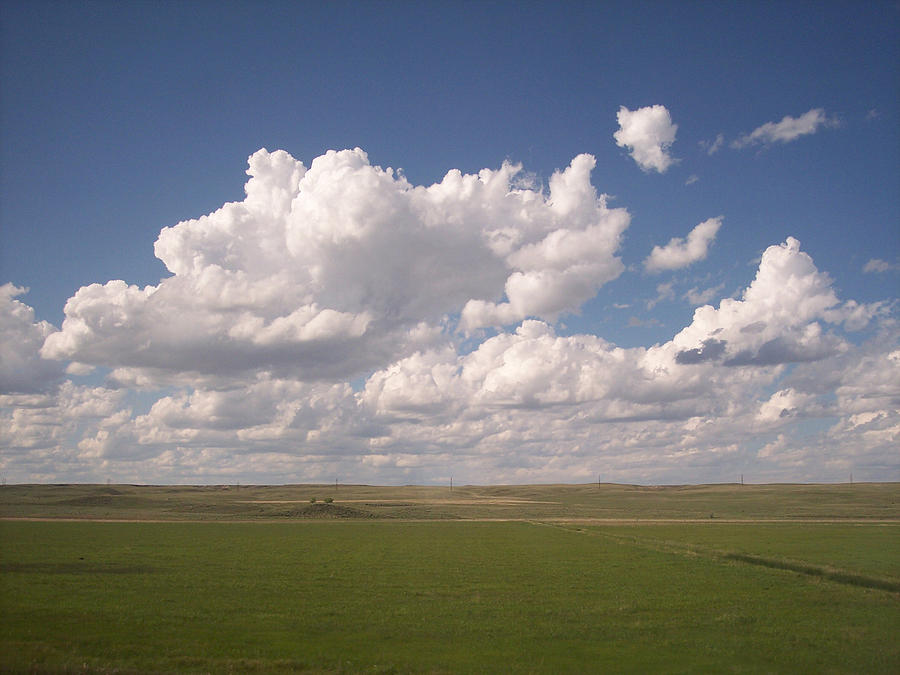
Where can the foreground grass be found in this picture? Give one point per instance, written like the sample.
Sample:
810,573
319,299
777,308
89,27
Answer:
382,596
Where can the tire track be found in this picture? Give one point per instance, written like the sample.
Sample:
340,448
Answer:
834,574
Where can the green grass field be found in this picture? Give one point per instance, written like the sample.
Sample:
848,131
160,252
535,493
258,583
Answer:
409,580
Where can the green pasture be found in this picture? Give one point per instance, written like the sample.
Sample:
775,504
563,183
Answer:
386,595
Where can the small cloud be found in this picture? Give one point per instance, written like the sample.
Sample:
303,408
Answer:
636,322
679,253
621,305
773,449
76,368
877,266
663,292
648,132
787,130
873,114
693,178
712,147
698,297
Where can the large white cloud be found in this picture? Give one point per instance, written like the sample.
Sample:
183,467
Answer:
679,253
315,331
787,130
777,320
565,266
648,132
523,406
329,272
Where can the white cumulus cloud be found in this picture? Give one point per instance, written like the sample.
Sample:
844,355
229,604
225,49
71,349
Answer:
649,133
331,271
22,370
566,266
777,320
679,252
316,330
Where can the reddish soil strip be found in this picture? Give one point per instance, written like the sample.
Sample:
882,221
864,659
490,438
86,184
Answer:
399,502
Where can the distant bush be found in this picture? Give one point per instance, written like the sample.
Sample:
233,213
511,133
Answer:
328,500
312,500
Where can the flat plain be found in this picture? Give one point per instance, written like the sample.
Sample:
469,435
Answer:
525,579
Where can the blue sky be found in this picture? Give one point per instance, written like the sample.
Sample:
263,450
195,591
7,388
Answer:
119,119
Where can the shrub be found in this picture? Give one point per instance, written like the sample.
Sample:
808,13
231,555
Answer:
328,500
312,500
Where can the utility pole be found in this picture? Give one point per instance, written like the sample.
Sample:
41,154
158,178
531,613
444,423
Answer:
742,479
451,483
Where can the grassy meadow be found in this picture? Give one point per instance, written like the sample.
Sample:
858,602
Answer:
531,579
